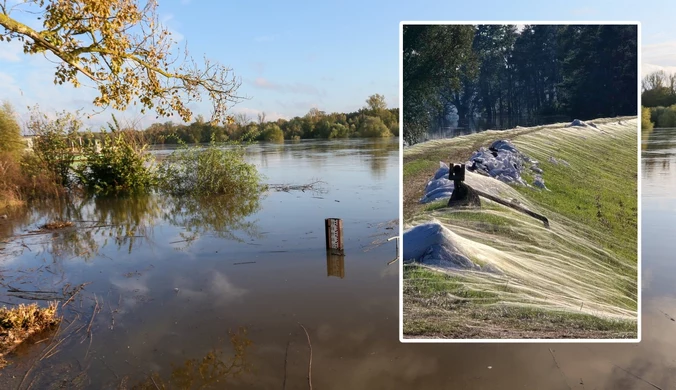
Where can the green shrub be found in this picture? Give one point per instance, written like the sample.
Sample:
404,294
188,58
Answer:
214,170
667,118
37,181
272,133
54,140
121,165
374,127
339,131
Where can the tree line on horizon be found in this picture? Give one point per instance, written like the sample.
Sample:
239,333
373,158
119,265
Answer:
658,97
374,120
539,74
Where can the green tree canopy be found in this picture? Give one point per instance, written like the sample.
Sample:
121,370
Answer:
273,133
376,103
373,127
435,57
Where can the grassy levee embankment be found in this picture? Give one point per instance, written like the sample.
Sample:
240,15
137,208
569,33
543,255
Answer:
576,279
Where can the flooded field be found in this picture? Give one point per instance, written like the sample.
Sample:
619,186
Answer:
185,293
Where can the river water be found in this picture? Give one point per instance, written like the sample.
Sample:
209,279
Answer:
210,292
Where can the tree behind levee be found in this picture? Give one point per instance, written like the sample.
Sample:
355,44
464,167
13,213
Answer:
434,58
492,43
11,141
121,48
600,70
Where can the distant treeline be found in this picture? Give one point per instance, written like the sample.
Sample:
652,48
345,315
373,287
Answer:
374,120
659,96
662,116
497,72
658,89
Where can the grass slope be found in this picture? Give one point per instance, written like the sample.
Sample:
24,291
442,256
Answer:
577,279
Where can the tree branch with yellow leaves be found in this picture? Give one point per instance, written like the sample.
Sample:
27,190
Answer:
124,50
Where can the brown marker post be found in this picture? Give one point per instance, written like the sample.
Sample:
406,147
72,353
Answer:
334,235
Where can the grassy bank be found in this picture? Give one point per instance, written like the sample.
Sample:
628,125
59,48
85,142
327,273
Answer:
576,279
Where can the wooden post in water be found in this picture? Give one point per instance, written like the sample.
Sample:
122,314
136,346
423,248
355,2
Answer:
334,235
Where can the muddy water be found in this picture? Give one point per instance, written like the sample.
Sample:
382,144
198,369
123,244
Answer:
172,279
352,321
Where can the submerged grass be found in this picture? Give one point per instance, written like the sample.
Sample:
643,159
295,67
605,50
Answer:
576,279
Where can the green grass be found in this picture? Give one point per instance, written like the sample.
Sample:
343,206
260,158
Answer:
451,305
428,284
515,322
533,318
415,167
436,205
599,189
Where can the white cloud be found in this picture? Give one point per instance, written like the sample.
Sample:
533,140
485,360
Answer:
658,56
647,69
252,113
662,54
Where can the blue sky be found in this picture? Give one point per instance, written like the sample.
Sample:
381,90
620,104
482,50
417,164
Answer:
295,55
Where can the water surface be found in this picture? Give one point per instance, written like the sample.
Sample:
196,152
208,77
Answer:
352,322
178,284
